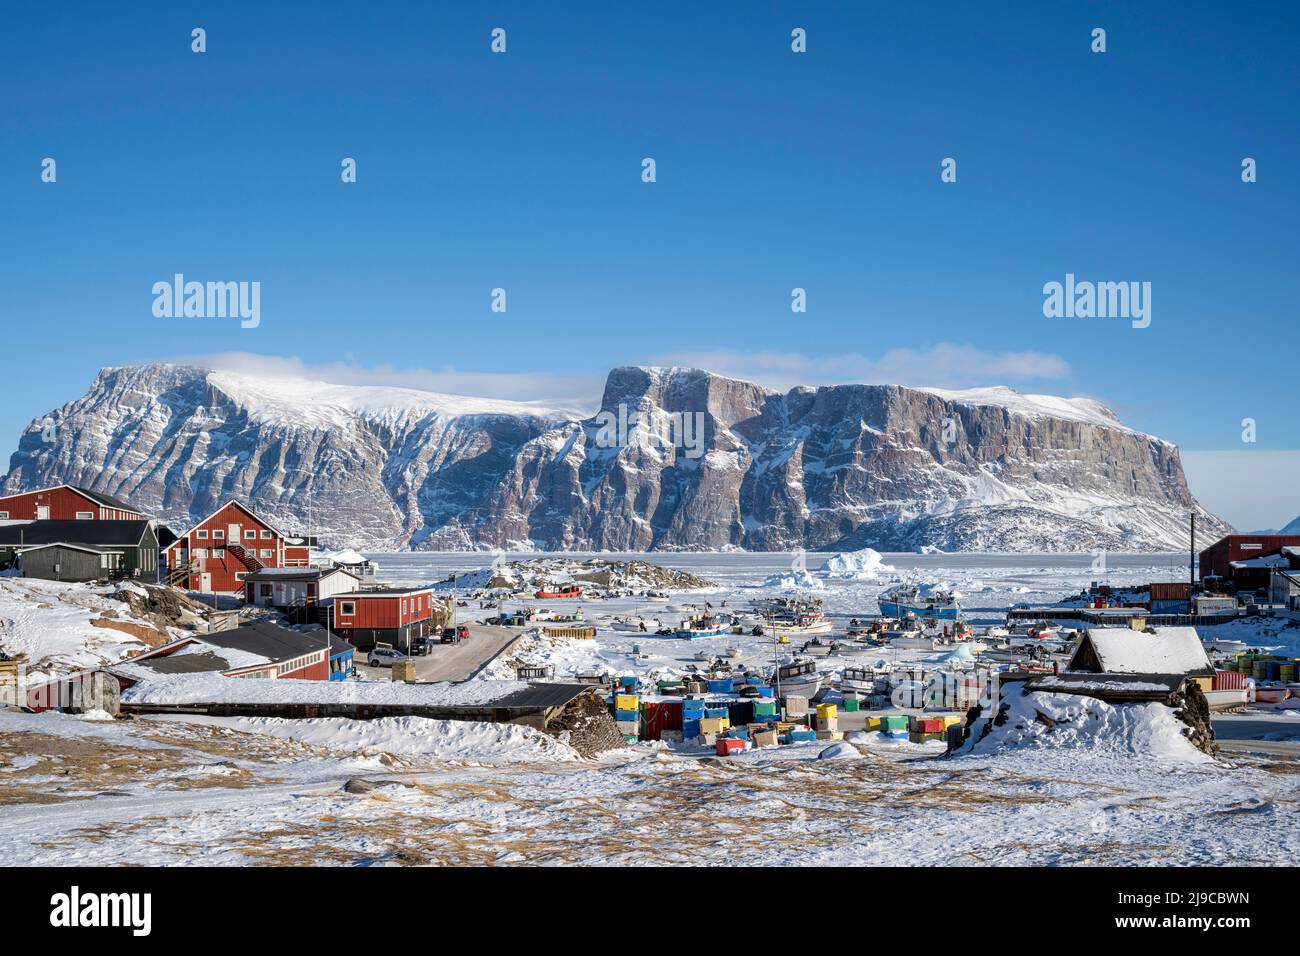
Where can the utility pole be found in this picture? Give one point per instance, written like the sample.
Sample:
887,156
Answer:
1191,565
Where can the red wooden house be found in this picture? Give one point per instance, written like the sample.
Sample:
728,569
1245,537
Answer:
66,503
390,616
216,554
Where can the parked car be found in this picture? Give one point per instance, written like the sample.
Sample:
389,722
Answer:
449,635
421,646
462,632
385,657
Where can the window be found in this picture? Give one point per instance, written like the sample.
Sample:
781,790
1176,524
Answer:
250,534
200,553
347,608
201,533
218,534
85,516
218,552
266,536
264,590
268,553
4,516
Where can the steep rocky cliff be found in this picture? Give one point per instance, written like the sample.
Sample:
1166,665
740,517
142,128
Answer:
715,463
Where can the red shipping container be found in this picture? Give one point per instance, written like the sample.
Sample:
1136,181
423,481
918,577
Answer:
729,745
1228,680
658,716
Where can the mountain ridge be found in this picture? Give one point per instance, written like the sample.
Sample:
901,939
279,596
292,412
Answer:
819,467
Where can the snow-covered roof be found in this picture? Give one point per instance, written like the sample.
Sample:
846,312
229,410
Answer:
1263,561
1122,650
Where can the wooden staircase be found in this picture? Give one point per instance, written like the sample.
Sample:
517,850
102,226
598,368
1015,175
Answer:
246,557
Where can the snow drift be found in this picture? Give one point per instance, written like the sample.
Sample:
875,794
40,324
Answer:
1084,727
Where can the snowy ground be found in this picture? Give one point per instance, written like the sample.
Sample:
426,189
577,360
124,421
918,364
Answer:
239,792
1108,788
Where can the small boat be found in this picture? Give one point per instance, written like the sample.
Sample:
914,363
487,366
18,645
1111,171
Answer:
799,678
703,625
633,625
567,591
907,599
656,596
860,679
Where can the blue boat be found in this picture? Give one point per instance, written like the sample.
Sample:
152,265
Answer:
906,600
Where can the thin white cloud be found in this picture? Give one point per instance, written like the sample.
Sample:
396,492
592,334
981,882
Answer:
581,393
946,365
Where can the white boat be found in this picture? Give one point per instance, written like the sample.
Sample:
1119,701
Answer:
659,596
634,625
799,678
703,625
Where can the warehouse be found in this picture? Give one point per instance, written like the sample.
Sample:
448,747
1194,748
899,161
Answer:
136,542
68,562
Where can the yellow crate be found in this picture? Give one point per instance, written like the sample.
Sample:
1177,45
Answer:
627,702
950,719
714,725
873,723
826,710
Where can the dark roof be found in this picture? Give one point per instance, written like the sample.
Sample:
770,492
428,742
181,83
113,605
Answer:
1120,683
199,663
108,501
272,641
93,533
166,536
296,574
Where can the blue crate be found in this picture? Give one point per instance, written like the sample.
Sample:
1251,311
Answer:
717,712
690,728
627,715
766,691
799,736
738,733
721,686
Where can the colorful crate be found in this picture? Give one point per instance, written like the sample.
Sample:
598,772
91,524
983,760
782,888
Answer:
894,723
851,705
625,715
726,746
721,686
626,702
825,710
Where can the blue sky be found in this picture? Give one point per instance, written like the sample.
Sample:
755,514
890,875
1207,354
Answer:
775,170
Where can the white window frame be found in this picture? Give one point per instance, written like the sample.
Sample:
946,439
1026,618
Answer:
266,536
268,553
347,608
218,552
85,516
250,534
4,516
202,534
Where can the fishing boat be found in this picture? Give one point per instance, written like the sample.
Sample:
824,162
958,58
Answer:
566,591
864,680
703,625
903,600
797,618
799,678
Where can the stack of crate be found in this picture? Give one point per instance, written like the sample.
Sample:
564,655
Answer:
827,722
923,729
692,714
627,714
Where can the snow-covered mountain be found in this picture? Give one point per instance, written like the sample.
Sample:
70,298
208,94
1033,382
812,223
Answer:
835,467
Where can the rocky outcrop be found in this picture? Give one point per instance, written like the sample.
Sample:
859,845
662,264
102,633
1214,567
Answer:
714,463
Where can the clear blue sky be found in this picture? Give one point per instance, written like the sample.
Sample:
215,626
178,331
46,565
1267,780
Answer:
775,170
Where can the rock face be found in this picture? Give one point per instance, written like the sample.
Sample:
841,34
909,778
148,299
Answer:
716,463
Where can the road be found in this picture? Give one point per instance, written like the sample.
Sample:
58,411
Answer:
453,662
1243,732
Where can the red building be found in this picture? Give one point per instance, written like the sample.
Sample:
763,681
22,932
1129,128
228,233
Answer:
215,555
65,503
1217,558
396,616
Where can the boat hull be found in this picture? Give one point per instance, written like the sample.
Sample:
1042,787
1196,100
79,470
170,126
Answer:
899,609
693,635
